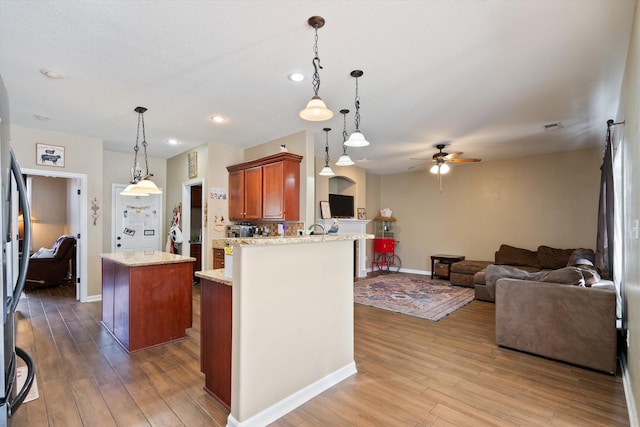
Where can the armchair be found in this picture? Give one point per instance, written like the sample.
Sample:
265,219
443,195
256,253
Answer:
51,267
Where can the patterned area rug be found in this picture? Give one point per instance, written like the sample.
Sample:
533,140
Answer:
412,294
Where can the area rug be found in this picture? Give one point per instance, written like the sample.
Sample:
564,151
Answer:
21,376
412,294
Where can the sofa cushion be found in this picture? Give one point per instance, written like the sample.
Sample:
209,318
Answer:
565,276
510,255
552,258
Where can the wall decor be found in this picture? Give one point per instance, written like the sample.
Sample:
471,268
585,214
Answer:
49,155
95,207
362,213
325,210
192,162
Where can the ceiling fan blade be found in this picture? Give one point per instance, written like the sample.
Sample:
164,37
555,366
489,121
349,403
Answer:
424,159
417,166
451,156
463,160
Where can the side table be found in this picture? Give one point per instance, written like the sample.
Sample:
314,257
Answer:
444,259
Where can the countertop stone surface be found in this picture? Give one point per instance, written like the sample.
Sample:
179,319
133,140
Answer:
286,240
216,275
142,258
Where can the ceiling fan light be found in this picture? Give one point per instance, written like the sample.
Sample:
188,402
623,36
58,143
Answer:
316,111
444,168
326,171
129,191
344,160
434,169
356,139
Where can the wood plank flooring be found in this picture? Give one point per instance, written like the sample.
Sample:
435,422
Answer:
411,372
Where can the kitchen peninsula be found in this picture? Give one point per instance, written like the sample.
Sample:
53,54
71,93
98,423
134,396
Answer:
146,297
291,322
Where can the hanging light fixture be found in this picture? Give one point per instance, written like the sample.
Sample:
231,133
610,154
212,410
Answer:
344,159
316,110
326,170
140,185
357,138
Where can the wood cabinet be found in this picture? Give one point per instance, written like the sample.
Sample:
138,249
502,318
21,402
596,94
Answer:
267,188
215,340
218,258
146,305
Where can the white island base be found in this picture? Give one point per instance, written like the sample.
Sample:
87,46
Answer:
292,323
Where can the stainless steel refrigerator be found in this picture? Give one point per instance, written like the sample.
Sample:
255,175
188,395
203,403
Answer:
13,269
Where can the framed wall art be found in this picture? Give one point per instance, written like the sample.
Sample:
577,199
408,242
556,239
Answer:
49,155
325,210
192,163
362,214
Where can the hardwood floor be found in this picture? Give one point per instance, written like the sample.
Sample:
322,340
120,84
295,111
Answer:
411,372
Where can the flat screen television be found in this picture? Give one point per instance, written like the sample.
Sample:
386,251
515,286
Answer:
341,206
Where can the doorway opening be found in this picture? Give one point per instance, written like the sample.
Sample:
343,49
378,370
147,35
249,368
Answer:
193,201
74,192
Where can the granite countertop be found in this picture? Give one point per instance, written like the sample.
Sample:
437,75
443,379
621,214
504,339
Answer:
138,259
216,275
287,240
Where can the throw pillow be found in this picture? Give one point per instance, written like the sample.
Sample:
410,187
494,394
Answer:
510,255
43,253
566,276
582,256
552,258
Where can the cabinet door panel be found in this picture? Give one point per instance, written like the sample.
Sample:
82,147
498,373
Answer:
253,193
236,196
272,191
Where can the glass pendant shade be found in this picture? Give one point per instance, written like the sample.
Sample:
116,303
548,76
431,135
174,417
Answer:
356,139
129,191
326,171
444,168
344,160
316,110
146,186
434,169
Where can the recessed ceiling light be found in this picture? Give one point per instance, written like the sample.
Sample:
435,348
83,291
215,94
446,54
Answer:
52,74
173,142
296,77
217,118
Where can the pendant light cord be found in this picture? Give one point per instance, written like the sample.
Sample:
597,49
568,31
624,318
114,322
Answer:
357,102
316,64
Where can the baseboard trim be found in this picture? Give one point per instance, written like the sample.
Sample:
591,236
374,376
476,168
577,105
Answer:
628,392
288,404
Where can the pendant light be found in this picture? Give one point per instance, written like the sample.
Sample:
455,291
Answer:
140,185
316,110
357,138
344,160
326,170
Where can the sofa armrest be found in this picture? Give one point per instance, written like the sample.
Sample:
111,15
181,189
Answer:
569,323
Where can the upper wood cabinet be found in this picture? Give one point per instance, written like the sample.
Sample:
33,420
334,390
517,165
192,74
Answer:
267,188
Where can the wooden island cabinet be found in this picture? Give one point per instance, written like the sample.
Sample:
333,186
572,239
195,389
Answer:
266,188
146,297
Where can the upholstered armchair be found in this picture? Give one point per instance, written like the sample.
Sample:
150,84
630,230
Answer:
50,267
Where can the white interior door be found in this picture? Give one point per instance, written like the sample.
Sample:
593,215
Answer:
136,222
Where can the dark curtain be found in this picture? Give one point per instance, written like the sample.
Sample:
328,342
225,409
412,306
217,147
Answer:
604,243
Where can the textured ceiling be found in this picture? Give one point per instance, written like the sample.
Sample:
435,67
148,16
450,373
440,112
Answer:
485,76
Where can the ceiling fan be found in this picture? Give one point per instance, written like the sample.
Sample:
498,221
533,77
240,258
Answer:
440,160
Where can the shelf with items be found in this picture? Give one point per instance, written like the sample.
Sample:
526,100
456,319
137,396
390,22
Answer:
383,227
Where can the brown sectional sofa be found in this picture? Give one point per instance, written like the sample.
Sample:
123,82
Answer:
553,303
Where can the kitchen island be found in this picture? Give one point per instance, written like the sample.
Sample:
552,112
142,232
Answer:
291,323
146,297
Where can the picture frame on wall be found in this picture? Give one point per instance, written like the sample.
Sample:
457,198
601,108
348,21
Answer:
50,155
192,163
325,210
362,214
